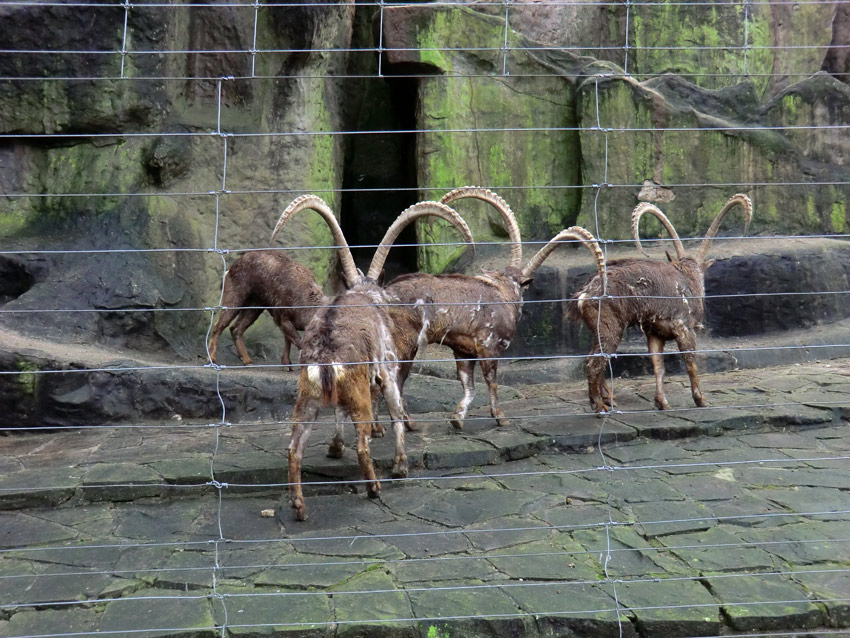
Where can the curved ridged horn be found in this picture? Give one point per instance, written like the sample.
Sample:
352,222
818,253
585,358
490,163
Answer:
738,198
317,204
645,207
411,213
573,232
503,209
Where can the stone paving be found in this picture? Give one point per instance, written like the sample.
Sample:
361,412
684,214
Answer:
696,522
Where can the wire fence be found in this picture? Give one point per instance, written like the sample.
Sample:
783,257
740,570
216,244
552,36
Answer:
130,510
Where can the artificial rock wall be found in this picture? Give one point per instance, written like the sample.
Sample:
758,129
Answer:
161,154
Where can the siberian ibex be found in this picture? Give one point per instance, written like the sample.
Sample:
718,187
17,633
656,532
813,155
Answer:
476,316
664,299
266,280
352,347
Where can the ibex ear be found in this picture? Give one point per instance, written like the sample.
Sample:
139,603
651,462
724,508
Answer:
670,257
708,263
525,283
381,276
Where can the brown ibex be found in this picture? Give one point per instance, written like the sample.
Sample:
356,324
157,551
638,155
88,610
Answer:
266,280
475,316
350,349
664,299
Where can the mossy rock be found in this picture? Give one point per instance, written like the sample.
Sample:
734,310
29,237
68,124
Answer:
504,134
671,142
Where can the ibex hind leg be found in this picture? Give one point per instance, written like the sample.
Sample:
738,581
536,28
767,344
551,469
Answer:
392,394
608,391
656,347
359,401
488,369
465,373
337,445
244,319
377,427
304,415
687,342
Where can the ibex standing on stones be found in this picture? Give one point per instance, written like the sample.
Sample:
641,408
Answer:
476,316
349,351
266,280
664,299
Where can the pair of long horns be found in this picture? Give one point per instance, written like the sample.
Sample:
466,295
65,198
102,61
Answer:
501,206
644,207
575,232
410,214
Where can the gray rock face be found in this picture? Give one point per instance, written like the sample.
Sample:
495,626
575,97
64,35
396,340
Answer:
132,161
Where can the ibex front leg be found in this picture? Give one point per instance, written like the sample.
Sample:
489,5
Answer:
290,337
244,319
597,367
404,368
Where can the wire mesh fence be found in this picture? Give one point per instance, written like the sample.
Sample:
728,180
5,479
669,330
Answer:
146,147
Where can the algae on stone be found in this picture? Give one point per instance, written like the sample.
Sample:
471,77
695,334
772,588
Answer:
487,116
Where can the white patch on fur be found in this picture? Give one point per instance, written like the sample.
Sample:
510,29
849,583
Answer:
474,310
386,343
468,394
386,365
581,299
422,339
313,375
376,296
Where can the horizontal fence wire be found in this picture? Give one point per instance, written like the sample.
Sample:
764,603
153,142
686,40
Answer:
385,4
414,131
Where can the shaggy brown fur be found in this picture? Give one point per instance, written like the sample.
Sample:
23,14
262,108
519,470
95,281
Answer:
266,280
664,299
349,353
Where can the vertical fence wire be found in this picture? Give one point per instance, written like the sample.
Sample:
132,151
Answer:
254,39
124,35
218,486
505,44
606,555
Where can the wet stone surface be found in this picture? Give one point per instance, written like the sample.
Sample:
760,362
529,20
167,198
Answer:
637,523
